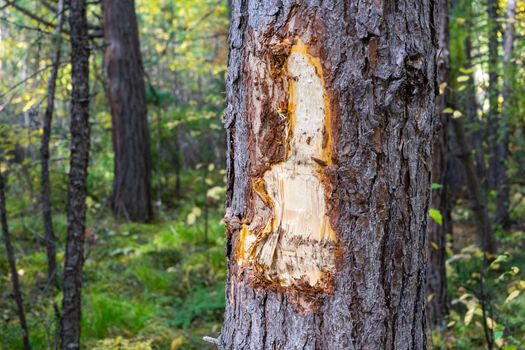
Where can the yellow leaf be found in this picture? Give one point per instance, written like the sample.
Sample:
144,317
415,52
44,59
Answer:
434,245
491,323
463,78
442,88
457,114
512,296
468,316
448,110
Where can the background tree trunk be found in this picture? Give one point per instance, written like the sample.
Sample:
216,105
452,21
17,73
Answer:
77,186
50,239
126,90
437,306
493,132
368,69
17,292
502,204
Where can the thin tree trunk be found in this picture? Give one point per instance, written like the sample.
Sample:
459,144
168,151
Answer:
502,204
77,186
126,90
50,239
493,131
477,131
329,128
17,292
479,202
437,306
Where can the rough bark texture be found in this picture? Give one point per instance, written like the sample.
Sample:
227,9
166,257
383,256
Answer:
17,292
376,62
126,91
436,240
77,185
50,239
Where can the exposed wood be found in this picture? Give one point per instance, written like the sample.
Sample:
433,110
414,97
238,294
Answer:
126,91
45,191
77,184
17,292
377,63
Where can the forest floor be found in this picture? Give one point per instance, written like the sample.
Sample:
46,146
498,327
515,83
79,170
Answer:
161,285
158,285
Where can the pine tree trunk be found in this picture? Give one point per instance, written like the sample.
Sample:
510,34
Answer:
329,124
77,186
436,242
45,190
126,91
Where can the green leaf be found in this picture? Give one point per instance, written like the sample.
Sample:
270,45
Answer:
435,214
436,186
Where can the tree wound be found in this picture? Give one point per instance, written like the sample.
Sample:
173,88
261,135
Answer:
296,246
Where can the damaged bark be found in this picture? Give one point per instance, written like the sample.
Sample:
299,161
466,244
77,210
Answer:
329,125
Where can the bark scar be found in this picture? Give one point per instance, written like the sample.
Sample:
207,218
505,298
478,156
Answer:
296,246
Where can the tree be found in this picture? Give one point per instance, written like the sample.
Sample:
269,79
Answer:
329,127
439,227
17,292
50,239
502,148
126,91
77,185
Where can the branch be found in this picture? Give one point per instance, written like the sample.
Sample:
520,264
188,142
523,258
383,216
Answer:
29,13
98,30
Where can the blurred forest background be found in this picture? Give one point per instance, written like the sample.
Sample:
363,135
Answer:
158,282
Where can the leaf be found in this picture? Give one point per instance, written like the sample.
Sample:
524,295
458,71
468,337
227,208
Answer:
457,114
466,70
512,296
470,313
434,245
436,186
448,110
435,214
193,215
442,88
463,78
491,323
